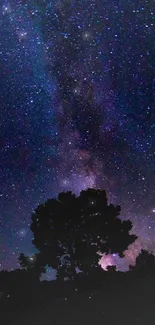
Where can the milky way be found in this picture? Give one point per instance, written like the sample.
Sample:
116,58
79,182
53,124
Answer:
77,102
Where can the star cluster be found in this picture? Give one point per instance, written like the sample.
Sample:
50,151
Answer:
77,110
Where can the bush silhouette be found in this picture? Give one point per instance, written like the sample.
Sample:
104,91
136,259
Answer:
145,264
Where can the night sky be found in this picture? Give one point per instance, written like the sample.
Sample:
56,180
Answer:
77,110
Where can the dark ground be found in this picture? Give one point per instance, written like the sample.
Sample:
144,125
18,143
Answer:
122,300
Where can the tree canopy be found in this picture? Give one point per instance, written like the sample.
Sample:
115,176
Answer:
69,231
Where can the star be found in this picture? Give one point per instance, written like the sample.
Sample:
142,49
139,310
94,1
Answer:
6,9
22,35
86,35
22,233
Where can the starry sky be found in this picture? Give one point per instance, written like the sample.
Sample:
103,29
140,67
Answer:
77,87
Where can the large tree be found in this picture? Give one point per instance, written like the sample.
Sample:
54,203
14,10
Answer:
69,231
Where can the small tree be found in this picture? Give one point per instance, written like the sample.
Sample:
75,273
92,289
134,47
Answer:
70,231
145,263
34,265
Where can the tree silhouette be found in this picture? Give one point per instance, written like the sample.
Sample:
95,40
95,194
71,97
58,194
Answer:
145,263
70,231
34,265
